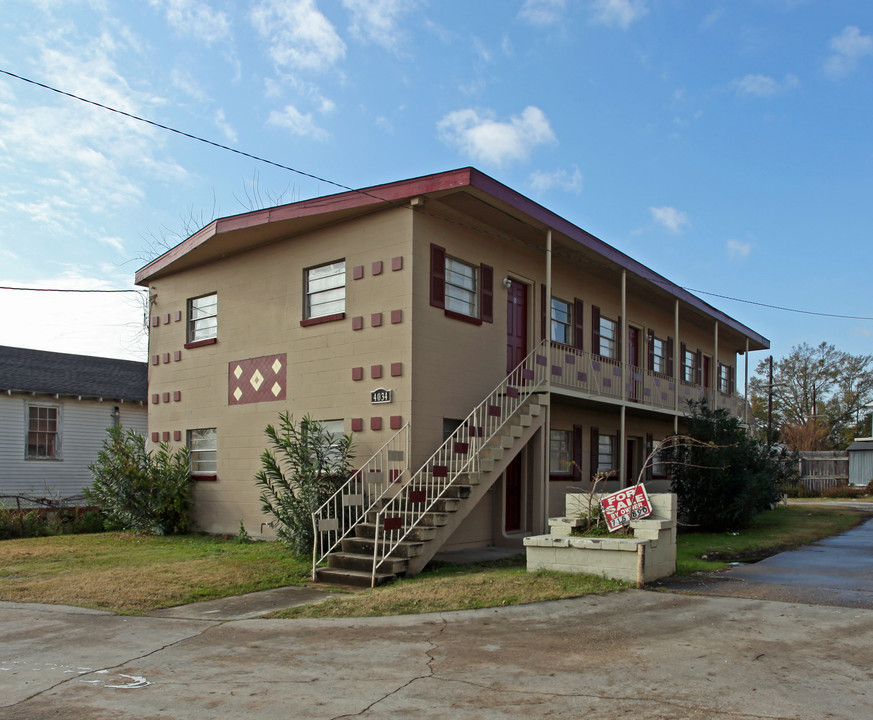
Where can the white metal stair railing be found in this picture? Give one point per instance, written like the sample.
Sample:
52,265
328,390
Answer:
459,454
337,517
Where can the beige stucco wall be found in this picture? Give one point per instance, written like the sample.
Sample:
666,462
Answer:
260,299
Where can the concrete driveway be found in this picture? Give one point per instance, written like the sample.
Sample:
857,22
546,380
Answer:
635,654
835,571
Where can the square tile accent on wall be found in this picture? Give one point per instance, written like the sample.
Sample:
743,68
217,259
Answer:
396,369
375,372
156,320
357,424
396,317
156,437
396,264
156,399
375,423
167,319
358,272
178,316
177,435
166,397
177,355
357,373
177,396
396,422
357,323
375,319
166,358
377,267
156,359
165,436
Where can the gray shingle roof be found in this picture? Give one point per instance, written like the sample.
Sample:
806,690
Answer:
41,371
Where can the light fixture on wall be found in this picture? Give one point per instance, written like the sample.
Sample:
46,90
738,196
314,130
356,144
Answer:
507,283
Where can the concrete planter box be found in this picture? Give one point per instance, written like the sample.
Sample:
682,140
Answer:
649,555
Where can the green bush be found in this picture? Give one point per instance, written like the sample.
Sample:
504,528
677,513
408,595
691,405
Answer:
723,477
141,490
306,466
844,491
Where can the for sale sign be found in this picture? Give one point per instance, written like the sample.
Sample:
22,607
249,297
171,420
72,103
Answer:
625,505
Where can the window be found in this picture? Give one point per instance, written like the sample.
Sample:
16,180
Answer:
607,458
43,433
560,447
203,444
464,291
203,318
326,290
659,356
461,287
562,322
659,467
608,338
689,366
724,378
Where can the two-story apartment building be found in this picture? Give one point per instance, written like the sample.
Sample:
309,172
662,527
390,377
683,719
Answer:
399,310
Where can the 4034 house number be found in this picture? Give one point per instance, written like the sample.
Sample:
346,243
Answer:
379,396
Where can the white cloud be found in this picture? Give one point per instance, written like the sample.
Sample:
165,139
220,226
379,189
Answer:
298,123
196,19
542,12
620,13
104,324
376,21
849,47
114,242
184,81
738,249
225,127
764,85
492,141
300,37
562,179
671,218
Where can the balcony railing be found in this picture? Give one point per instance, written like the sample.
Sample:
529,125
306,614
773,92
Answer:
600,377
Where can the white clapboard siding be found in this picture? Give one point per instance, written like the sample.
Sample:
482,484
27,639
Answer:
83,430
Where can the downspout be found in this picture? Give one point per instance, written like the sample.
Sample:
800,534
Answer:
676,346
716,379
622,449
547,440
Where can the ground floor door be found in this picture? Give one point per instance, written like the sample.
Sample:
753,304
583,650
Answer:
512,493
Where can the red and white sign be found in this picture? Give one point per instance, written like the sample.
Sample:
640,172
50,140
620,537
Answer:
625,505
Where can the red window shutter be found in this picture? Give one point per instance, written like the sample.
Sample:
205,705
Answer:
578,324
733,379
670,356
683,348
595,454
543,312
699,368
577,452
651,350
618,355
486,290
595,332
437,276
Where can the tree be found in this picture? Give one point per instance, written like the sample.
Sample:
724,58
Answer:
723,477
306,465
140,490
819,395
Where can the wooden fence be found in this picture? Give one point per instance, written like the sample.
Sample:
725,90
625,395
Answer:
824,469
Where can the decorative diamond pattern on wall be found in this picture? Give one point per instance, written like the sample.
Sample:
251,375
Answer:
260,379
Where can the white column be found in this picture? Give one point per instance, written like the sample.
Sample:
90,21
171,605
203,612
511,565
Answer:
715,369
622,440
676,365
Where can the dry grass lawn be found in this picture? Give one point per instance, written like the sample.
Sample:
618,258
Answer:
133,574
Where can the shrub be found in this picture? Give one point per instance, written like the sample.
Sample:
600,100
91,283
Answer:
723,478
306,466
844,491
140,490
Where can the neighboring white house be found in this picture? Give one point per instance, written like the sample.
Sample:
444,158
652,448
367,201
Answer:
55,409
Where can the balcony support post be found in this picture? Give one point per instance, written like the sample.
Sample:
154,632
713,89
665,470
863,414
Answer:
545,459
715,362
676,378
622,447
746,387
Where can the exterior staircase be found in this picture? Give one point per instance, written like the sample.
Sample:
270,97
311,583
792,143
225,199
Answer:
398,529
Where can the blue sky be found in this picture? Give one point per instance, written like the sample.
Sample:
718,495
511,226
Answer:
727,145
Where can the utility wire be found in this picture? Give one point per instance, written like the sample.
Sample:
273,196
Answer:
251,156
65,290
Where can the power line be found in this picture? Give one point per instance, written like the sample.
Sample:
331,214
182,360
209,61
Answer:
257,158
66,290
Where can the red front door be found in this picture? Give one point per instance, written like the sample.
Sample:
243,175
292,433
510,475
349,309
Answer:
516,324
512,485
